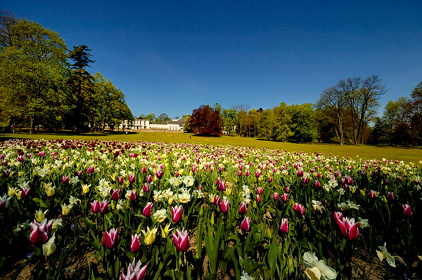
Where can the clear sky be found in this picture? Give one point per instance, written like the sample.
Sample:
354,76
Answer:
173,56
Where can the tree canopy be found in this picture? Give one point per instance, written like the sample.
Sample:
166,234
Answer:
40,88
206,121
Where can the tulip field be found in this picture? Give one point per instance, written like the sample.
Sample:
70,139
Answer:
77,209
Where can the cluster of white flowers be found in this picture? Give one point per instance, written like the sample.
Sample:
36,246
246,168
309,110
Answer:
348,205
332,183
246,194
104,187
162,195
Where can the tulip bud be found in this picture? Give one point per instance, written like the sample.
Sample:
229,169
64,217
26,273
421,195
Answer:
131,194
284,226
49,247
147,211
176,213
245,225
115,195
224,205
135,243
407,210
243,209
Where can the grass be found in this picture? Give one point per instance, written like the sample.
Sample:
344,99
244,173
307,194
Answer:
366,152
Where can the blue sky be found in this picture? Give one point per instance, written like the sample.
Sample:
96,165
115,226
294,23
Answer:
173,56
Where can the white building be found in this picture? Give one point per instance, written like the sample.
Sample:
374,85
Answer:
142,124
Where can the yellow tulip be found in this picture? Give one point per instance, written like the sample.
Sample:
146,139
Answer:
85,188
11,191
40,215
150,235
50,190
165,231
49,247
66,209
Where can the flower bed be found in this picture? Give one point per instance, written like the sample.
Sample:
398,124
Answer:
96,209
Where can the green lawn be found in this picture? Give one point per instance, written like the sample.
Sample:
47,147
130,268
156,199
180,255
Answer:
367,152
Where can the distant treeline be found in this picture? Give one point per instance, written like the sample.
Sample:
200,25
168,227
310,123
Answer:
345,113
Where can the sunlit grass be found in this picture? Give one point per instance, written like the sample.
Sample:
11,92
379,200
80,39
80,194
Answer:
366,152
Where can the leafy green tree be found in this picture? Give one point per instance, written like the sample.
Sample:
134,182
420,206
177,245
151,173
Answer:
303,125
266,125
32,79
162,118
382,132
186,127
111,106
416,122
206,121
82,93
230,119
325,125
282,122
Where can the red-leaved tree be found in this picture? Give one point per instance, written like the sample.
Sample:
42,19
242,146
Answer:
206,121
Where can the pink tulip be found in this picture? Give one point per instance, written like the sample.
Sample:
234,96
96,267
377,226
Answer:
39,231
222,186
149,179
243,208
284,226
176,213
90,170
135,243
131,178
258,198
159,174
317,184
348,227
115,195
390,196
217,200
144,169
224,205
99,207
371,194
245,225
110,238
181,240
131,194
276,196
134,272
65,179
407,210
299,208
148,209
25,192
120,180
284,197
259,190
